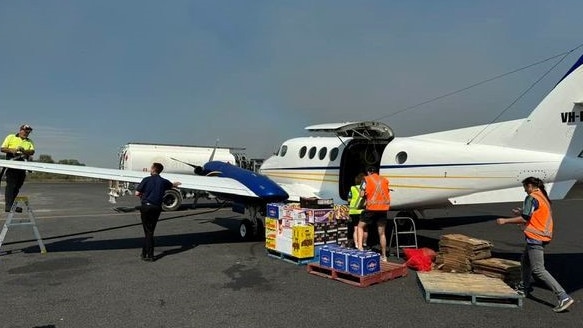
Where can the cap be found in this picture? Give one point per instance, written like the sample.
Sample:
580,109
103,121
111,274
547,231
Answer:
26,127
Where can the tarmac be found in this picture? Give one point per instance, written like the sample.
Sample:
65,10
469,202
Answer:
92,276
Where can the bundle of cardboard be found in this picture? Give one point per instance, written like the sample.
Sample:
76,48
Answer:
456,252
507,270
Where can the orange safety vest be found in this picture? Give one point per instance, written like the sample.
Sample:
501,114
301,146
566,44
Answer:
377,193
540,225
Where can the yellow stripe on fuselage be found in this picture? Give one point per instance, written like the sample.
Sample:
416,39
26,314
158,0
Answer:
333,178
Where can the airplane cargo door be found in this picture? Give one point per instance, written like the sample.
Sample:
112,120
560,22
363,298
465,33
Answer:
357,156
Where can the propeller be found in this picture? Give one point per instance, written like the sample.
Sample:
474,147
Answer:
199,170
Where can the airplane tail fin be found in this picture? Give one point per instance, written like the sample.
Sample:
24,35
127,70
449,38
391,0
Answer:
555,125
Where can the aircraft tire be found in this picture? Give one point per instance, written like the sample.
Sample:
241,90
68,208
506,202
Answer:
172,200
246,230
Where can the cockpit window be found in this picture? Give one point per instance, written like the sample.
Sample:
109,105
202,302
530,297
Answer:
312,152
303,151
322,153
333,154
283,150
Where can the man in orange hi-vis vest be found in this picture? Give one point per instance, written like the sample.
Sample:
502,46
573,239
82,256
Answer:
536,216
378,199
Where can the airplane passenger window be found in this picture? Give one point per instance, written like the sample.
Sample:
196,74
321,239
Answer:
283,150
322,153
303,151
401,157
312,152
333,154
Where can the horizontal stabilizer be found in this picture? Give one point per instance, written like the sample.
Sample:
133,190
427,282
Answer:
556,190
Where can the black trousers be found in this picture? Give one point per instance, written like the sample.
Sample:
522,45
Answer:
149,215
14,181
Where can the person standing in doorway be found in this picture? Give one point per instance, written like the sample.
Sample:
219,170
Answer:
151,192
17,147
536,216
375,189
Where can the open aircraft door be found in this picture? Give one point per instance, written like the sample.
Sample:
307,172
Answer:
364,143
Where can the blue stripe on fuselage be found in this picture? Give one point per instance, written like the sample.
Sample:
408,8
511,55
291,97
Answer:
391,166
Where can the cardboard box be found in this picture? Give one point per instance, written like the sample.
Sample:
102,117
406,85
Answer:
271,224
342,234
326,257
320,226
340,260
314,202
341,212
303,242
326,254
270,243
343,243
320,215
342,224
273,210
332,235
319,238
364,263
296,241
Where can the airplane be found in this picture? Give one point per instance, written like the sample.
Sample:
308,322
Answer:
472,165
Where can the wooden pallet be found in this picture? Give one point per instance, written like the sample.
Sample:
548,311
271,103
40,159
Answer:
467,288
288,258
388,271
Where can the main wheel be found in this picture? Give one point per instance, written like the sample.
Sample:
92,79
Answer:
246,230
172,200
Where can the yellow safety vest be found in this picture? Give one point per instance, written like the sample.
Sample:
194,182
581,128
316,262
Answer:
353,205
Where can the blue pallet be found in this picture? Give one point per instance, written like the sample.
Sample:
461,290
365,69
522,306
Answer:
288,258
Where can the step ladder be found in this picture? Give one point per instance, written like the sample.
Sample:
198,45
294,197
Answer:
11,221
402,226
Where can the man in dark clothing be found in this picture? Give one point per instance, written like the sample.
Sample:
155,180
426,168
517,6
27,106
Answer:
151,191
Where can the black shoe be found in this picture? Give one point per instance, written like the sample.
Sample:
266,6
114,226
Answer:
18,210
147,259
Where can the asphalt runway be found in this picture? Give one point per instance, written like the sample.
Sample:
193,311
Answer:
92,276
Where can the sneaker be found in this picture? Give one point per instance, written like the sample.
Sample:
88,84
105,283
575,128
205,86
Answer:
563,304
522,292
384,259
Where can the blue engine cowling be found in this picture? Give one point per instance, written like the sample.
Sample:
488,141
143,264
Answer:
262,186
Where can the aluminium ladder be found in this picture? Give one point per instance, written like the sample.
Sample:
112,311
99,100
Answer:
403,225
25,205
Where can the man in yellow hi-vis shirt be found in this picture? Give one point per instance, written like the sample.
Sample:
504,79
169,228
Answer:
17,147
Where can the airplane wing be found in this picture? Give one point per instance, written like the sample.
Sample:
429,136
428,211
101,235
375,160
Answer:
210,184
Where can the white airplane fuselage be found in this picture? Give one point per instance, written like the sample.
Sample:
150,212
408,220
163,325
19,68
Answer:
422,173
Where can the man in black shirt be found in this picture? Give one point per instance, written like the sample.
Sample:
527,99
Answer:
151,191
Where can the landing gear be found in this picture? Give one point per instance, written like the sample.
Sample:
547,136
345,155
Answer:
246,230
251,228
172,200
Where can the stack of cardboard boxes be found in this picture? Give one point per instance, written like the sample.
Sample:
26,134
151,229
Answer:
360,263
295,230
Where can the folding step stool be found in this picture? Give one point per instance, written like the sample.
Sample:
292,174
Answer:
23,201
407,226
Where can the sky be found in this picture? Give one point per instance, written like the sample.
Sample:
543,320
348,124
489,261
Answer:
90,76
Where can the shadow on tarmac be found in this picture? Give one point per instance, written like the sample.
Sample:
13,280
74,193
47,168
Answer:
79,241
